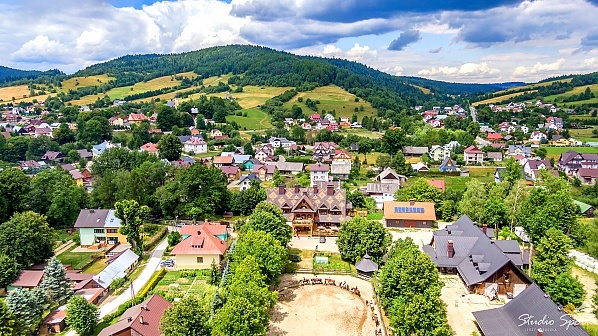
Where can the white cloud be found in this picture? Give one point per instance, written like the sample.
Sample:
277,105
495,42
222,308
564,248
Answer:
41,49
467,70
396,70
356,53
539,68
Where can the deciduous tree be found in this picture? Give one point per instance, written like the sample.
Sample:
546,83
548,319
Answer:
82,315
29,232
9,325
420,191
473,201
190,316
170,147
271,221
132,216
359,236
267,251
9,270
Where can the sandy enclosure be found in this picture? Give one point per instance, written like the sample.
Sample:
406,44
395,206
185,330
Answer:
320,310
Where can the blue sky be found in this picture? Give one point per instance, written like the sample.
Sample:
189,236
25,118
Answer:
452,40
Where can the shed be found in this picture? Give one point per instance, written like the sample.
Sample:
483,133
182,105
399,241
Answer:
366,267
119,268
585,209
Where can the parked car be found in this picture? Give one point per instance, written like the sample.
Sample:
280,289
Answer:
167,263
322,240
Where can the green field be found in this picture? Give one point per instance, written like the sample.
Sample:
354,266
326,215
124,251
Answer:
332,97
253,96
507,94
583,134
555,152
255,120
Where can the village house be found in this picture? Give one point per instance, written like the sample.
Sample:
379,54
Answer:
571,161
487,267
140,320
324,151
119,267
410,151
522,316
585,209
52,157
264,172
514,150
494,137
312,211
420,167
448,165
473,155
263,156
439,153
220,161
201,246
98,149
494,156
98,227
136,118
245,181
587,176
232,172
318,173
27,279
381,192
215,133
195,145
409,214
438,184
537,137
281,142
341,155
116,122
288,168
388,175
340,170
85,154
150,148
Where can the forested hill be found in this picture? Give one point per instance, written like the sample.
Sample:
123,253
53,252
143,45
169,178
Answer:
11,75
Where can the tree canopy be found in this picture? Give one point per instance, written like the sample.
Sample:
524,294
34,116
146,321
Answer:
359,236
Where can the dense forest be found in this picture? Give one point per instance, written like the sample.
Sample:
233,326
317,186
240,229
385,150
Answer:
8,75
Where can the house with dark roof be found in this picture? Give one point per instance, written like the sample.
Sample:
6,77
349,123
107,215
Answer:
99,227
232,172
414,151
245,181
288,168
587,176
52,157
27,279
264,172
312,210
85,154
571,161
530,313
324,151
514,150
494,156
201,245
486,266
366,267
340,170
409,214
142,319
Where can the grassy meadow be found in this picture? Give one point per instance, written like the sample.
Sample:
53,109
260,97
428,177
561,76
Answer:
332,97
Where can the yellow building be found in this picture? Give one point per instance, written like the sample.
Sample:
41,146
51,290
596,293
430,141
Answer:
201,246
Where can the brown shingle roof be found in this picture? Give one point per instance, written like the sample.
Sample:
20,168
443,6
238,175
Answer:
28,278
317,198
149,312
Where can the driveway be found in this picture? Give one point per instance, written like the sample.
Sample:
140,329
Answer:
152,264
310,243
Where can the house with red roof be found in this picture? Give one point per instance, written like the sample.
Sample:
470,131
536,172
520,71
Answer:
438,184
150,148
315,117
494,137
473,155
142,319
201,245
136,118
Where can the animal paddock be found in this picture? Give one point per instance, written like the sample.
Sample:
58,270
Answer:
318,308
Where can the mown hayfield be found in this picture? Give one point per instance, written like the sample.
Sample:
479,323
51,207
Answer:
71,83
256,119
575,91
560,150
332,97
7,93
424,90
253,96
500,98
507,94
154,84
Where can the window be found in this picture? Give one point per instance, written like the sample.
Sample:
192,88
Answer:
200,260
98,230
112,230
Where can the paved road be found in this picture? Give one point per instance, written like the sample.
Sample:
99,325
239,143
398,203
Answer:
472,110
152,264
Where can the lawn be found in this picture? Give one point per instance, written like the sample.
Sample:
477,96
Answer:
256,119
154,84
75,259
575,91
500,98
96,267
555,152
253,96
335,263
583,134
362,133
71,83
332,97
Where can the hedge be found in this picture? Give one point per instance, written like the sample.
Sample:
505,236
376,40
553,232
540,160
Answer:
121,309
152,283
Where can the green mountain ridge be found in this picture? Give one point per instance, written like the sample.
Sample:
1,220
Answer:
8,75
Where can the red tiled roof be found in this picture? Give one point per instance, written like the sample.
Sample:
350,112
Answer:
149,147
137,117
472,149
494,136
149,312
200,241
437,183
28,278
223,159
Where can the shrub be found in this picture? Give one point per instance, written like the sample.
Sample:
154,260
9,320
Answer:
152,283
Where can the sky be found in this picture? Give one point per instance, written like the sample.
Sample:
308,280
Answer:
452,40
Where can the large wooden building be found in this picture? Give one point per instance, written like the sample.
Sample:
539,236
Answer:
486,266
312,211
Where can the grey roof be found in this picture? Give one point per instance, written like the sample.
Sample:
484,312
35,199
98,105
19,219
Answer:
116,269
92,218
250,177
366,265
508,246
84,153
340,168
382,188
476,257
411,150
448,165
494,155
287,166
524,149
509,320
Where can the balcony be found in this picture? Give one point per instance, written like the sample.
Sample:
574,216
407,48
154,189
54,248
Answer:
303,221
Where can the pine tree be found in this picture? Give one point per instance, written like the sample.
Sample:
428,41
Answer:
55,283
25,307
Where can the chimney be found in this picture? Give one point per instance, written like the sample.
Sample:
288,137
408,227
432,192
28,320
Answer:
130,319
296,188
330,190
316,189
281,189
539,332
450,251
206,221
140,319
485,229
92,211
411,202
